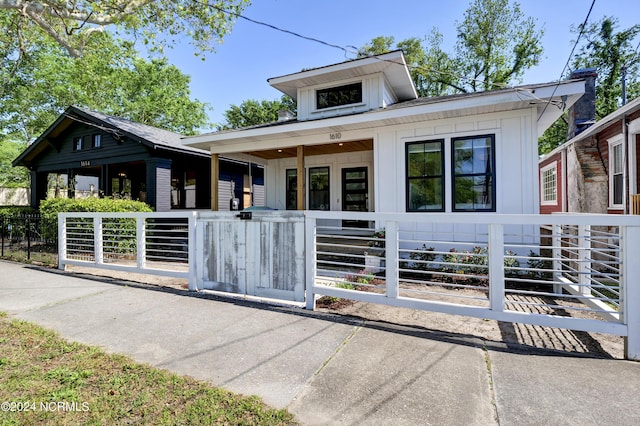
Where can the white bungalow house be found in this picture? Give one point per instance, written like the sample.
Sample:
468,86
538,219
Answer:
364,141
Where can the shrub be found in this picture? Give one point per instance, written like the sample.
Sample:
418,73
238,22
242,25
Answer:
535,262
420,260
476,261
50,208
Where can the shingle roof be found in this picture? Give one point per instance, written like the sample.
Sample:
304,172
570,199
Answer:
154,135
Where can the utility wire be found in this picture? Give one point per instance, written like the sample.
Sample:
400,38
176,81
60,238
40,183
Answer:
582,28
349,49
346,49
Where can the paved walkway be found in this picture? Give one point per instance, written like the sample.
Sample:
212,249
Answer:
327,370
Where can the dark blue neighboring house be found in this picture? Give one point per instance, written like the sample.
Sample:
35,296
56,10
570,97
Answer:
120,158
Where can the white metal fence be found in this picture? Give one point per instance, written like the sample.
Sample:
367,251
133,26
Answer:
578,272
148,243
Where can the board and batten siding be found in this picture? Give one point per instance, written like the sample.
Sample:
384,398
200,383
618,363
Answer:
109,150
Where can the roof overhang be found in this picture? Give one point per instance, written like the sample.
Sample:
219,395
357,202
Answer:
549,102
392,65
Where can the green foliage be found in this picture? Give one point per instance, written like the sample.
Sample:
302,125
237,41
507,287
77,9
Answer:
610,51
157,23
53,206
252,112
496,45
363,276
50,208
15,210
554,136
109,78
11,177
539,266
420,260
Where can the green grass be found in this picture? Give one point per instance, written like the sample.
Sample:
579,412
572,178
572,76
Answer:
38,369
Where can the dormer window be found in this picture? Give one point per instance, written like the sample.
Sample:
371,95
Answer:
338,96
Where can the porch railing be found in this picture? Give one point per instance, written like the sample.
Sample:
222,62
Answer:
577,272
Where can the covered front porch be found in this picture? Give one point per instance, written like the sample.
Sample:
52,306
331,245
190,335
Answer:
337,175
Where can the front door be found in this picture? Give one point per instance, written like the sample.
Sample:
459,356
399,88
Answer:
355,194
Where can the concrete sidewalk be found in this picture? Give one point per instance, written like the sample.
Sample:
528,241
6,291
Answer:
326,369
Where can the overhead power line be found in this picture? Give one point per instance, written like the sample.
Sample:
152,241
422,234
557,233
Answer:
582,28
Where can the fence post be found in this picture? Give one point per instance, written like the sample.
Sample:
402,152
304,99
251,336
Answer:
195,246
310,260
28,231
584,259
141,248
62,241
2,235
391,258
631,290
97,241
496,266
556,252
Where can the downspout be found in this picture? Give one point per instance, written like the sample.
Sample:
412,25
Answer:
627,164
563,181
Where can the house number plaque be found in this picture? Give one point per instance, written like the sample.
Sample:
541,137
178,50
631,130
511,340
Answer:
85,163
335,136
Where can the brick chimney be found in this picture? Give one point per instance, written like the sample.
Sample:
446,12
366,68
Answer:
583,113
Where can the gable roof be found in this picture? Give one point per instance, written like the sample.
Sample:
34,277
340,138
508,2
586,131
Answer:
409,111
391,64
153,137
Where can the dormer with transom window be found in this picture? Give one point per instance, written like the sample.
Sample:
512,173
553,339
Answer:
349,87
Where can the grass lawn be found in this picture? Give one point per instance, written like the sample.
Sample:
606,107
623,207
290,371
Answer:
47,380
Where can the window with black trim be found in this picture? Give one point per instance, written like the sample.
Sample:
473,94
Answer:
473,180
96,141
338,96
319,188
425,176
77,143
291,189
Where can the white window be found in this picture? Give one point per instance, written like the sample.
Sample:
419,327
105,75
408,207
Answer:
616,173
549,184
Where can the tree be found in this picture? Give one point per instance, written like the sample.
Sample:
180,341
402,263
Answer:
110,78
495,45
72,23
252,112
611,53
9,177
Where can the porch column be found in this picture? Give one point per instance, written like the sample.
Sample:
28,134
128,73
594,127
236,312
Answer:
215,176
300,178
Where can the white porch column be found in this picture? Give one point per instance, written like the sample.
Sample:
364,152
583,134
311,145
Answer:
300,177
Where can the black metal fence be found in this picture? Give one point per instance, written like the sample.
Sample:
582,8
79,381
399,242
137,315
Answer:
27,234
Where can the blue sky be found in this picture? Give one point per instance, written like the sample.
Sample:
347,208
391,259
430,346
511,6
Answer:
252,53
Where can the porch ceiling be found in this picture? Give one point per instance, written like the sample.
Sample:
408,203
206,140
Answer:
310,150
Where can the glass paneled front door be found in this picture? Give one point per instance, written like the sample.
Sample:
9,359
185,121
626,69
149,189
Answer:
355,194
